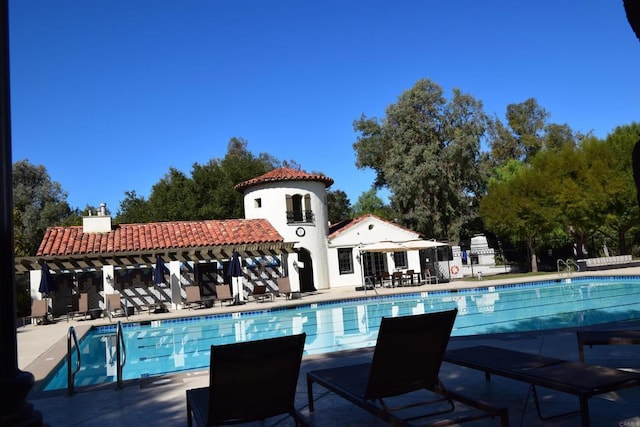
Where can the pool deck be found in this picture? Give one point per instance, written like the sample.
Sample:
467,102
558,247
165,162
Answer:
161,402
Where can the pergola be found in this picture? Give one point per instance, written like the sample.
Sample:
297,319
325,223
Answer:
95,261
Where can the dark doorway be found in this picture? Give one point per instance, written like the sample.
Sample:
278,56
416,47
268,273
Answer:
306,272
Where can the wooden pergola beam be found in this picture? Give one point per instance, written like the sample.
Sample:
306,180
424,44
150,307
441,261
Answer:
95,261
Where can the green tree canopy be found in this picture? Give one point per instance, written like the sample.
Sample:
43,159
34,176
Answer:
370,203
521,208
207,193
527,132
338,206
38,203
611,173
426,150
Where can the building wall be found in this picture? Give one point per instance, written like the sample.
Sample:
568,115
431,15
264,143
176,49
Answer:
370,230
273,207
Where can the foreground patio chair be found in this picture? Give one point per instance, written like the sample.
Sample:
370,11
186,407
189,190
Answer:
579,379
249,381
406,359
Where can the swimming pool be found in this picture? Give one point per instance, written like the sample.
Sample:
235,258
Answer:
169,346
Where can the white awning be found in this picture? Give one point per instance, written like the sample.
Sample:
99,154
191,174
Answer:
421,244
383,247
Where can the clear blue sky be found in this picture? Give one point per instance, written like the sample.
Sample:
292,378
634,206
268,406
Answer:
109,94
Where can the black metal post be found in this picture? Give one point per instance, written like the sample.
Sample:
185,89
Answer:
15,410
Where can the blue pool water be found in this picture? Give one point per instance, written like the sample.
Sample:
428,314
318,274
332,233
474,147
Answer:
161,347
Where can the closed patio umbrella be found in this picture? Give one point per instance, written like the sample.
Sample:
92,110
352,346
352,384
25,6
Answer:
158,279
235,272
47,284
158,272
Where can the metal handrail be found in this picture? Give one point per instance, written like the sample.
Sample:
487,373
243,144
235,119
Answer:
121,353
71,374
567,265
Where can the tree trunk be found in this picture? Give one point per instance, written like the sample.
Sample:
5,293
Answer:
534,258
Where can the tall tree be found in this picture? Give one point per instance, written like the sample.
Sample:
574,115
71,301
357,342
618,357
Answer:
611,163
133,209
171,199
208,193
526,133
521,208
370,203
38,203
338,206
426,151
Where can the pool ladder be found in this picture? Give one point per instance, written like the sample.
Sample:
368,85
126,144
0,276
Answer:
71,373
72,341
121,353
569,265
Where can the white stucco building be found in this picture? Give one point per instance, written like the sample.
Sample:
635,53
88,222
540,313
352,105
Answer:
333,255
285,233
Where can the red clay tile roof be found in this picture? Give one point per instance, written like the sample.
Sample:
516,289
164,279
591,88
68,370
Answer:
284,174
158,236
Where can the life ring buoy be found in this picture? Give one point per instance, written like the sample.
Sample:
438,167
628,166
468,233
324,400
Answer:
455,269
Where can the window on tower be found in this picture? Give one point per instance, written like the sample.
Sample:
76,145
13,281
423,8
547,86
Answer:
299,209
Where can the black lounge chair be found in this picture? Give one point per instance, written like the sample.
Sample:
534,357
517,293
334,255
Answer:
606,337
579,379
249,381
407,358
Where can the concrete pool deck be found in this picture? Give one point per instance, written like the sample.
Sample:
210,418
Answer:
161,401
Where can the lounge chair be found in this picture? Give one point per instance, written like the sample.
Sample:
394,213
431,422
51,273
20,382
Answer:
193,297
261,293
284,287
249,381
40,310
223,293
112,305
83,306
406,359
606,337
579,379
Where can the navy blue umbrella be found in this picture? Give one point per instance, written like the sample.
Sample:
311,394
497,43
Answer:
235,268
158,273
235,271
47,284
158,279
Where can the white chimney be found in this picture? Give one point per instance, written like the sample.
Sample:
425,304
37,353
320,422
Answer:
100,223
